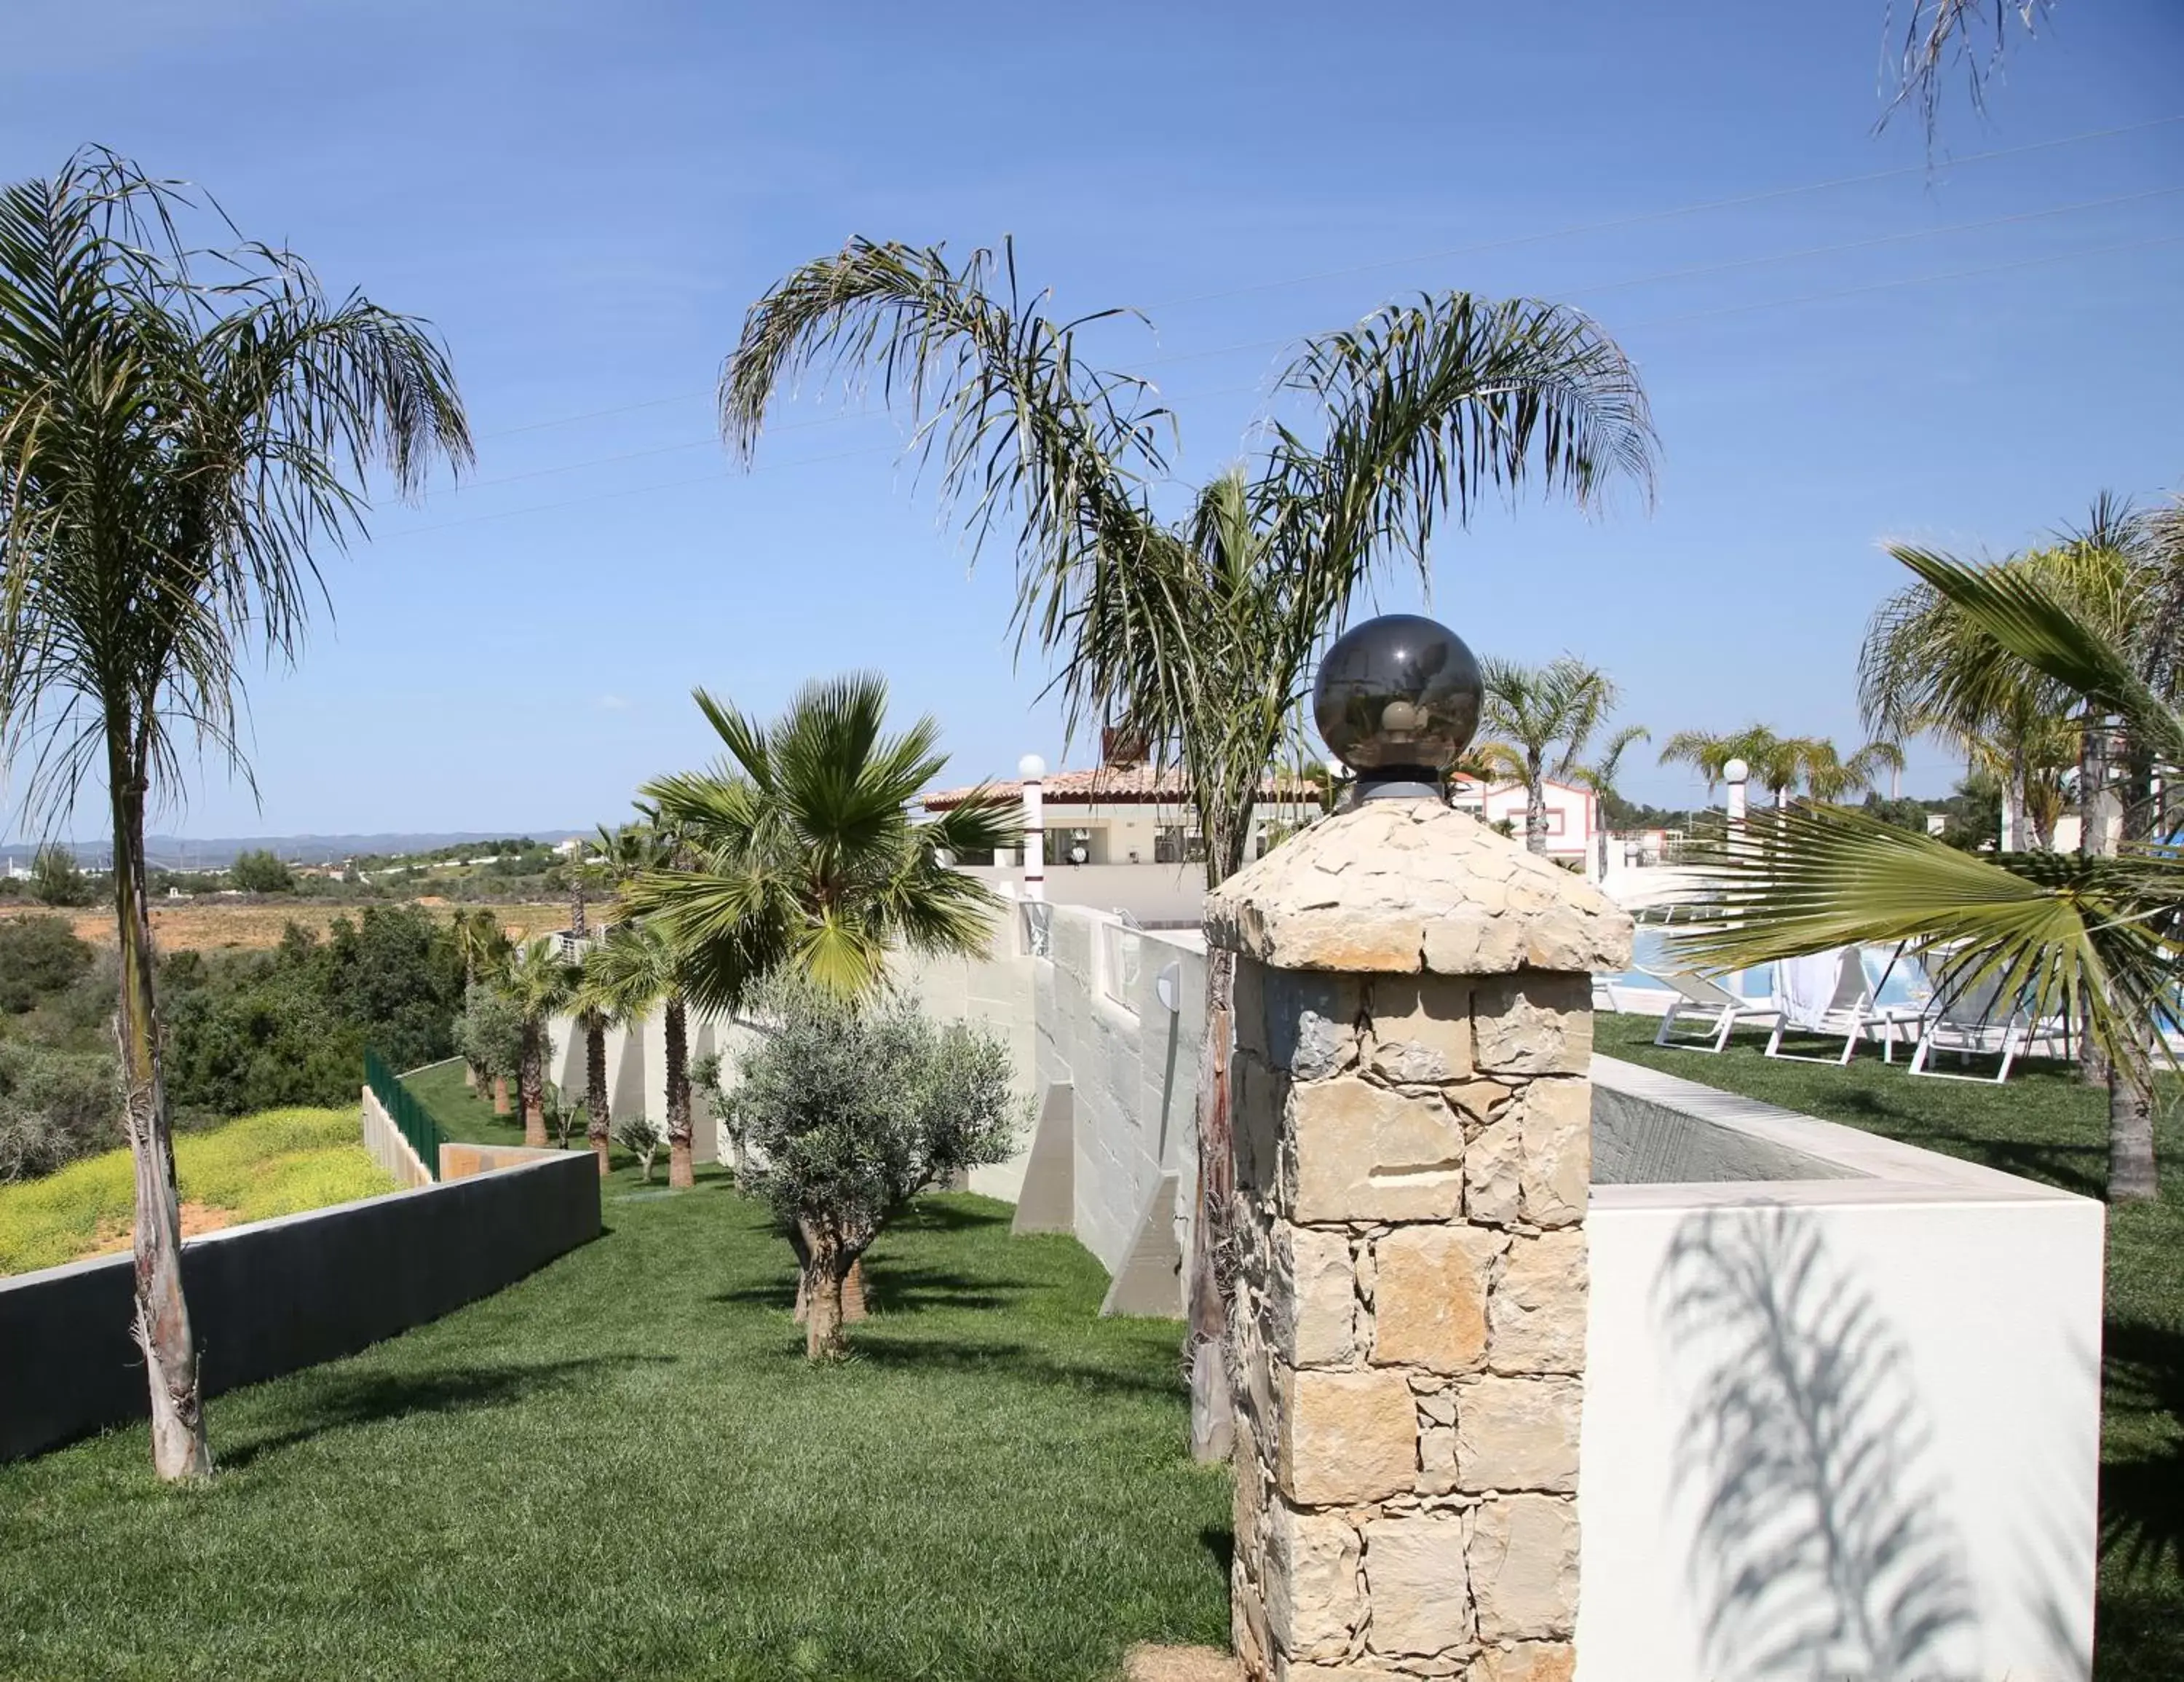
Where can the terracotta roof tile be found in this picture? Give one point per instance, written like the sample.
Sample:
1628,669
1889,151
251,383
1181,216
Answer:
1118,785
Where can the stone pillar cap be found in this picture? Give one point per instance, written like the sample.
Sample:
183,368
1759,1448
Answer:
1397,886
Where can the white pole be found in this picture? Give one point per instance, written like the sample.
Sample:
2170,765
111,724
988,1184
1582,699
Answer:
1735,773
1032,768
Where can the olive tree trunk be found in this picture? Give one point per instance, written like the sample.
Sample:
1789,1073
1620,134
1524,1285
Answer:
599,1122
162,1330
680,1172
500,1094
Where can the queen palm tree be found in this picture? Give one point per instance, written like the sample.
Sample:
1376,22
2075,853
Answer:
176,450
541,985
1542,718
1602,776
639,969
1198,635
796,852
1783,764
2095,938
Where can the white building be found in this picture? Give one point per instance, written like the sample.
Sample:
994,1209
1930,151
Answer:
1125,836
1574,817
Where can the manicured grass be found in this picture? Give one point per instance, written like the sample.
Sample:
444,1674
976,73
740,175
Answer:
621,1467
464,1114
2046,1126
277,1162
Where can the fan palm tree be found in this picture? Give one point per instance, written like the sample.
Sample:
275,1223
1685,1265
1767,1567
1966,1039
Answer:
1927,668
639,969
1543,718
1198,636
797,853
541,985
175,454
622,851
2096,939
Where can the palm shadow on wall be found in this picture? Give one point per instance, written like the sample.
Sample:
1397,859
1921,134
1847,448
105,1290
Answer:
1820,1552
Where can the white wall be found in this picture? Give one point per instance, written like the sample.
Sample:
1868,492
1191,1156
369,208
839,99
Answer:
1909,1359
1079,1002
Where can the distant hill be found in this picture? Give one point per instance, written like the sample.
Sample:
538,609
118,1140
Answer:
168,852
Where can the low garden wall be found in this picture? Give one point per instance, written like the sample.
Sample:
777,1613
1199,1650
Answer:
274,1296
1803,1339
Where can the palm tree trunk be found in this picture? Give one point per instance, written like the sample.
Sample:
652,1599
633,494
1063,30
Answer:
600,1128
162,1331
2133,1176
531,1087
2094,840
680,1173
1535,813
1213,1420
577,907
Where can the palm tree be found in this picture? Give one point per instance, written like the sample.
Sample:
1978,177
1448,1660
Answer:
174,451
622,851
1600,776
540,983
1927,668
796,852
1533,712
2094,937
484,947
638,968
1782,764
1200,636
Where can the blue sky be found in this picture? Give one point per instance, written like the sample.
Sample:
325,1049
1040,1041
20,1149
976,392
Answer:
584,199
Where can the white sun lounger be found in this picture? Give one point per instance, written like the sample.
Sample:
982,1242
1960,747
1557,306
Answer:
1697,996
1973,1022
1829,993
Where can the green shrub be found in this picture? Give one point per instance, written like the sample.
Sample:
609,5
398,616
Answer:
39,955
54,1107
261,872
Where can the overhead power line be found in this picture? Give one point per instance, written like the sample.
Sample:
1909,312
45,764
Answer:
1658,276
724,473
1607,224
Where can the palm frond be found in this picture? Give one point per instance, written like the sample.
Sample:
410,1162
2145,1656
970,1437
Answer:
2066,935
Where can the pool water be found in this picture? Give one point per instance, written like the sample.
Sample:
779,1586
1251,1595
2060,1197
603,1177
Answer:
1897,983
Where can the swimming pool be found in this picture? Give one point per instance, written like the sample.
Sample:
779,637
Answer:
1895,984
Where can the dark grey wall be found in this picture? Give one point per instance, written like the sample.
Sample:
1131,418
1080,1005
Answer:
276,1295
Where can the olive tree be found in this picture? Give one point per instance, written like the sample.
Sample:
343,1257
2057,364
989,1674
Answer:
851,1112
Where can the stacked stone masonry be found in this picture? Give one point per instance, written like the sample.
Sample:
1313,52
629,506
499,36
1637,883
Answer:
1408,1286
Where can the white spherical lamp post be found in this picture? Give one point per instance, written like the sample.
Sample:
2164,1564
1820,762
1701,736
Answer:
1736,773
1033,769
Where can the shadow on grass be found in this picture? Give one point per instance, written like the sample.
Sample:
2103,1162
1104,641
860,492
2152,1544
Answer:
1005,1359
2143,1498
343,1402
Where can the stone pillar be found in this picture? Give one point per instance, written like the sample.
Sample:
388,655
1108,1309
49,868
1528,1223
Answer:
1412,1136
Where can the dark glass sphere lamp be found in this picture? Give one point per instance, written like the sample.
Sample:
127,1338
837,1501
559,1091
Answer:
1397,699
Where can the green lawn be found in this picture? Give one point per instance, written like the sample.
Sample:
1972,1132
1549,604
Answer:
464,1114
621,1467
2045,1126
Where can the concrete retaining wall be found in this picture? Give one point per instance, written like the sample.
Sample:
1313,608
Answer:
389,1147
273,1296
